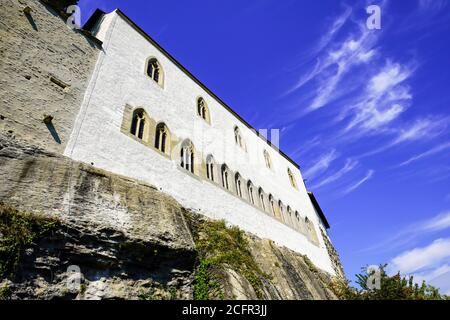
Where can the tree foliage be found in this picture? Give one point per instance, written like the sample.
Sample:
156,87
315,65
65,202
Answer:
394,287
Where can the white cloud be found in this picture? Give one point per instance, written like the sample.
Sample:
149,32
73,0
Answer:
429,263
383,100
425,154
390,76
413,231
357,184
421,128
438,277
422,257
321,164
349,165
440,222
321,64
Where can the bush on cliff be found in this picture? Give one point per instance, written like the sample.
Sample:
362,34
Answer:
394,287
17,231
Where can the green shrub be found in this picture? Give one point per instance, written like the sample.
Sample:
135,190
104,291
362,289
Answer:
17,231
393,287
220,247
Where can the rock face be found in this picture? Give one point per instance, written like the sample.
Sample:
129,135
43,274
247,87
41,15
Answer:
128,239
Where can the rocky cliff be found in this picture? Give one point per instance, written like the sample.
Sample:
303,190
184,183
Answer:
128,239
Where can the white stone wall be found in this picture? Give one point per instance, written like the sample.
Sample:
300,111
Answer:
119,79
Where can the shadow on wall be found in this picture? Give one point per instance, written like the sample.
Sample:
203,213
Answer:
53,132
31,20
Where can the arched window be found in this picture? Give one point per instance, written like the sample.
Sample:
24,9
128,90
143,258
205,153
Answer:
202,110
225,177
238,182
267,159
154,71
311,230
238,138
162,138
282,213
250,190
262,199
297,221
291,178
210,167
272,206
187,156
138,123
290,216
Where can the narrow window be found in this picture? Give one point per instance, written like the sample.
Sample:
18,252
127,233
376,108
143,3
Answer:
267,159
238,138
210,167
225,177
272,206
202,109
154,70
291,178
251,197
187,156
281,207
138,123
262,200
162,138
311,231
238,185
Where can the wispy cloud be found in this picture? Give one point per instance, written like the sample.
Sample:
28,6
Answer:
421,129
426,127
349,166
409,233
425,154
429,263
321,164
422,257
382,101
357,184
321,63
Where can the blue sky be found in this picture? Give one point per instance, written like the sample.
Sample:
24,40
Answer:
366,113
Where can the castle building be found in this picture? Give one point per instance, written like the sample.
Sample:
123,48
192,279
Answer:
142,115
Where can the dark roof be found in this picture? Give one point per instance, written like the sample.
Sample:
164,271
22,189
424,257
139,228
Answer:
319,210
99,13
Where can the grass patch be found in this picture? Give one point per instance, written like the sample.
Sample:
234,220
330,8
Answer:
221,247
5,292
17,231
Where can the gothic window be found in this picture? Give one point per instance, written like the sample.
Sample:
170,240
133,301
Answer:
267,159
210,167
250,190
238,138
281,207
311,230
290,217
272,205
291,178
225,177
202,110
138,123
297,221
262,199
162,138
238,181
187,156
154,71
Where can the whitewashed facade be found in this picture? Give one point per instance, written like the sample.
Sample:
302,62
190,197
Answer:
120,79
